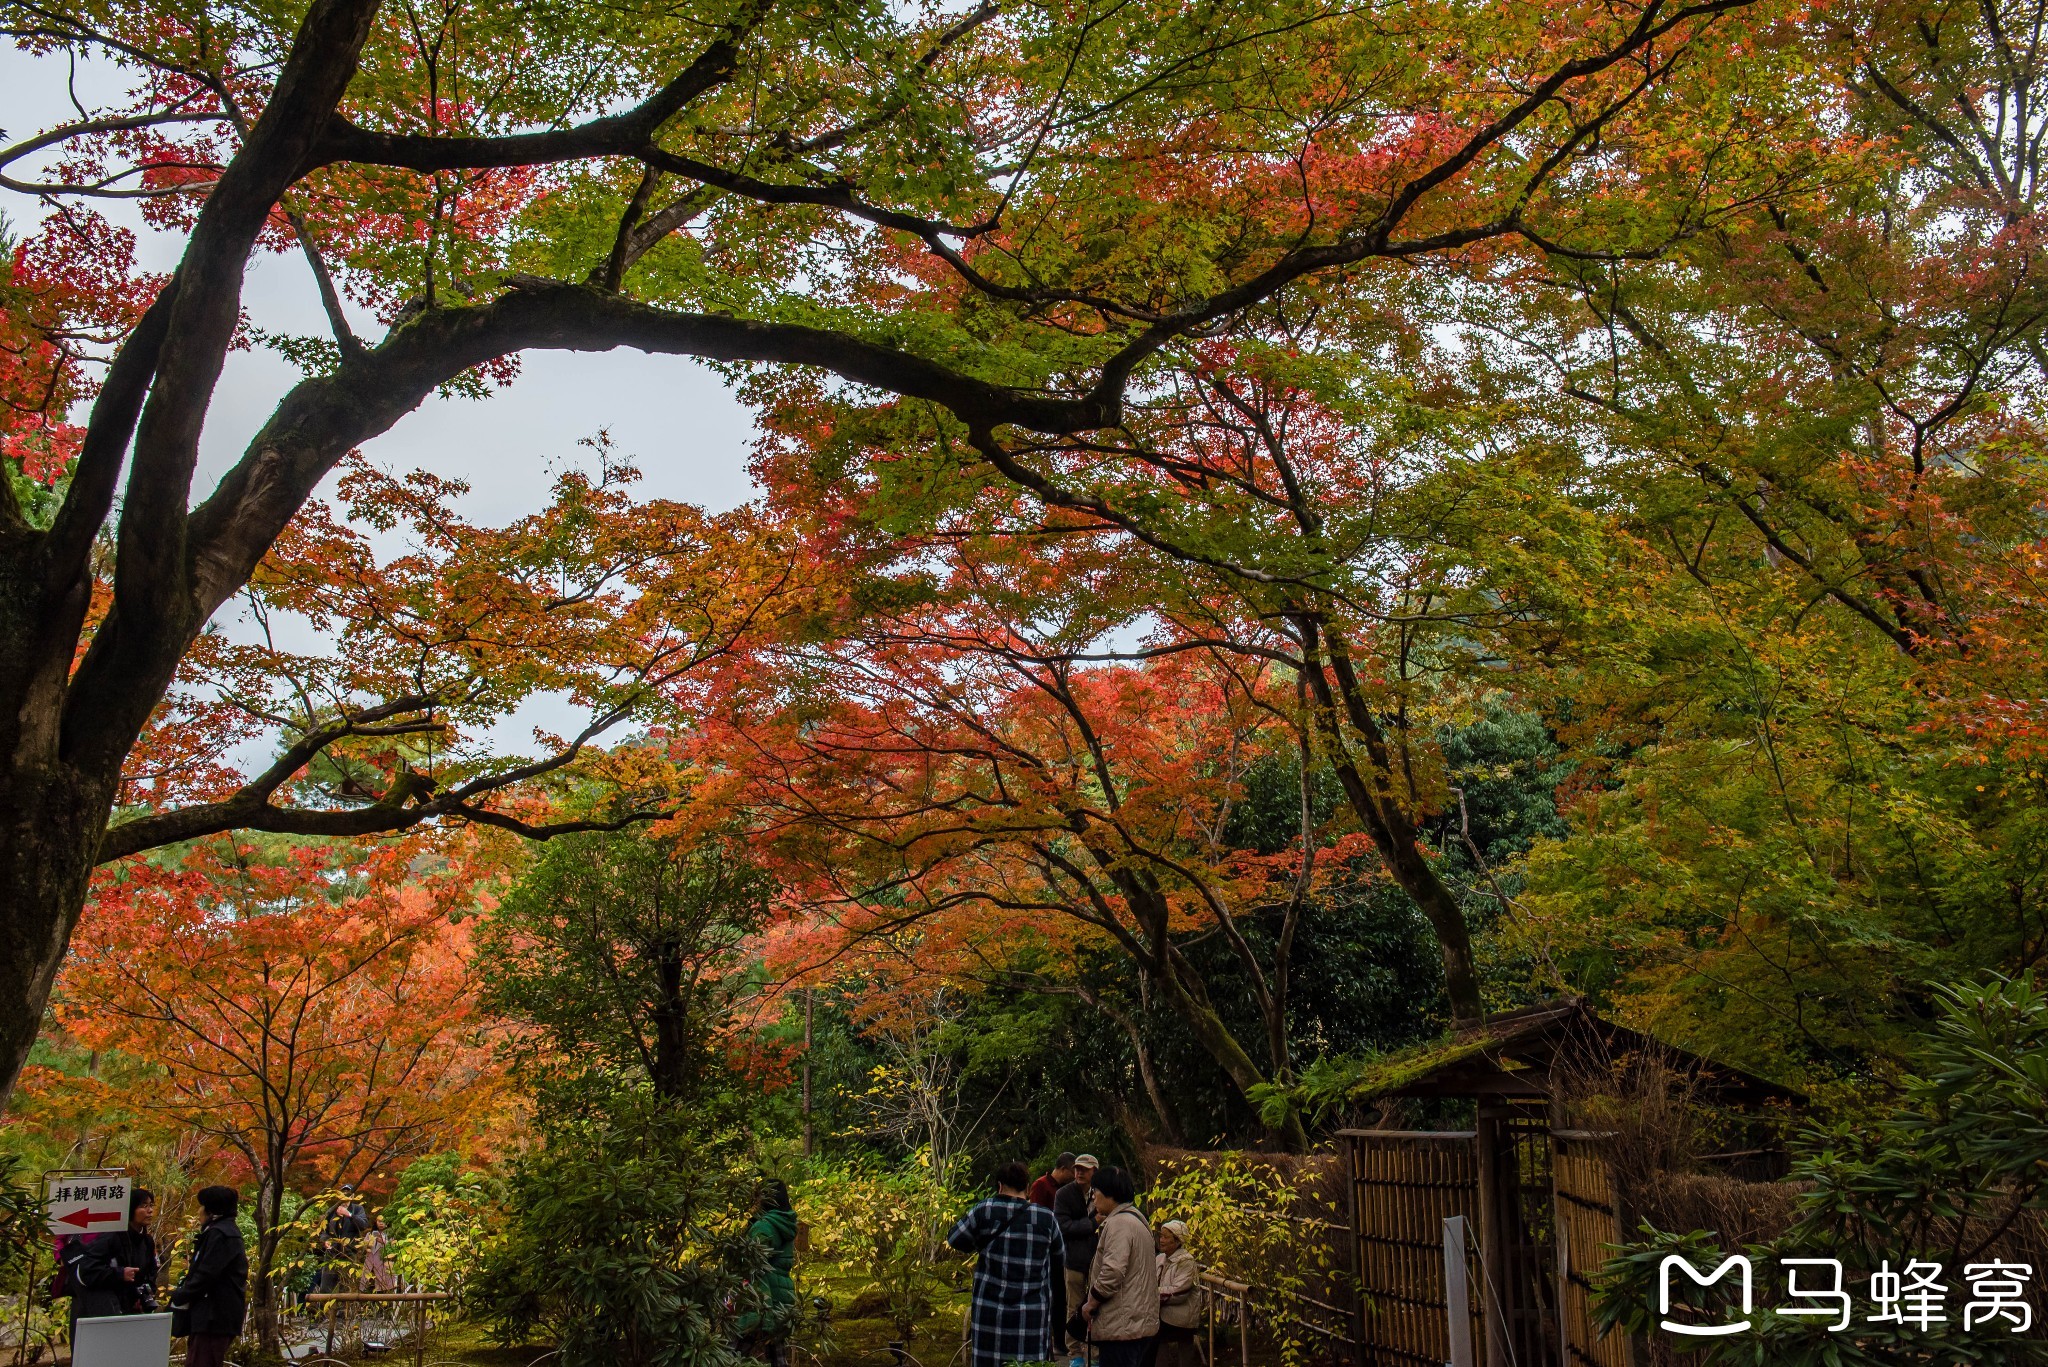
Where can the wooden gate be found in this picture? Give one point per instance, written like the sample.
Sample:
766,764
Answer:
1589,1222
1517,1235
1403,1185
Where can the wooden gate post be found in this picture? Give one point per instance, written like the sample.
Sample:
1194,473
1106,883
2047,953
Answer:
1210,1301
1354,1255
1496,1224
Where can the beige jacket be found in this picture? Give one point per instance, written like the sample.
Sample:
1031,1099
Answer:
1180,1304
1123,1282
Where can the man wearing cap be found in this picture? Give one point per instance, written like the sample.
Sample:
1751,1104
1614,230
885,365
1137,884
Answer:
1074,1204
1043,1192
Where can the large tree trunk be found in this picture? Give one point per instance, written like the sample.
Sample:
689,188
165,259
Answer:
263,1326
1386,817
1188,995
50,820
673,1054
1215,1037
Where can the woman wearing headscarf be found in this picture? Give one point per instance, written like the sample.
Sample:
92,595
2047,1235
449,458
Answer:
1180,1300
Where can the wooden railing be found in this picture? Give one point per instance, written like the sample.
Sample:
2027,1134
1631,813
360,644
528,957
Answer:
333,1300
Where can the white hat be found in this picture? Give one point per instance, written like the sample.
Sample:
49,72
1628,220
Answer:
1085,1160
1177,1228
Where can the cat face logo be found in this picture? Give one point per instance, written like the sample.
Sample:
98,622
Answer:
1664,1280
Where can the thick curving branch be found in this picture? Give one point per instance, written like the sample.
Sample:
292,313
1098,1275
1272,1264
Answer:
621,134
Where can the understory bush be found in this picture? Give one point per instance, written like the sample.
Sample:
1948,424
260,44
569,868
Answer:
1954,1173
889,1224
440,1214
1270,1225
622,1242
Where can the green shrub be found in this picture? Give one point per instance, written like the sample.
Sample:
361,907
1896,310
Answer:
622,1244
1955,1172
889,1223
439,1214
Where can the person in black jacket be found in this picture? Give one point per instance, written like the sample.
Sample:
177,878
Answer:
138,1256
1074,1206
339,1246
214,1294
92,1271
115,1273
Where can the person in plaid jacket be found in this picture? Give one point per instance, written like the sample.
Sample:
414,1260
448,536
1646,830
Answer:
1020,1251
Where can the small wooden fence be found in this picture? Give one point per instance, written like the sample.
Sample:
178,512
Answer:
1542,1207
413,1302
1404,1184
1590,1222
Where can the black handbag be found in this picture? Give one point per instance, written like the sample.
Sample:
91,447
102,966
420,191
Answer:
1077,1328
181,1321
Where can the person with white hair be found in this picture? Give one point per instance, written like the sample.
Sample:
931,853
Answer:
1180,1299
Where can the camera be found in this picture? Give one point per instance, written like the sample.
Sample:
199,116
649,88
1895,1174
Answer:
145,1298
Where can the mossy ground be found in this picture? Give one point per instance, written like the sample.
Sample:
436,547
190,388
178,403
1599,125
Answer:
837,1340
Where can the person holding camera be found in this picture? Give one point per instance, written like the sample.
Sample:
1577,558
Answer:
210,1303
115,1273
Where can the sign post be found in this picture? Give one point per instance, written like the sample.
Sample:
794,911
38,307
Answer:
85,1202
1457,1292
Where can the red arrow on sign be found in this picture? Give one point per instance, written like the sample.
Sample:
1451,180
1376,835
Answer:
86,1218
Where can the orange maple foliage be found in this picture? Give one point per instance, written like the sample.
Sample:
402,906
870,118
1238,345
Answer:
601,600
963,793
308,1012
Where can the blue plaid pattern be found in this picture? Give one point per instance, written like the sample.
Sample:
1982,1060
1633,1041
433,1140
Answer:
1021,1249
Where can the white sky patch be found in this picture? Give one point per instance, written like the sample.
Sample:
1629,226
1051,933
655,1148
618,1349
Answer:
675,419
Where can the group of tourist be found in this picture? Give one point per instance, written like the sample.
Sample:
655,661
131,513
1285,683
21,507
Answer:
115,1273
351,1252
1068,1265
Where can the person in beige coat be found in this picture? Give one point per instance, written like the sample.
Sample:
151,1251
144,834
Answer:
1123,1282
1180,1299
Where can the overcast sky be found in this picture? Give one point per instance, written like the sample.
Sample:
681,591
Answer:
688,433
675,419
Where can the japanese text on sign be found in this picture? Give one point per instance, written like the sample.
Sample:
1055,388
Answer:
85,1204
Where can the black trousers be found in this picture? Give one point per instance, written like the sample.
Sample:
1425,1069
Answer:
1122,1352
208,1350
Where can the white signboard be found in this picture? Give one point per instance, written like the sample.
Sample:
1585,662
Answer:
85,1203
123,1341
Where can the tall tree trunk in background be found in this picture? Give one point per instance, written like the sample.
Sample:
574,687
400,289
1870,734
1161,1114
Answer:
1371,789
1148,1072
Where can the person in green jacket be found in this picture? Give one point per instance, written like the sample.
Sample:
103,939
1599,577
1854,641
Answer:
774,1228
